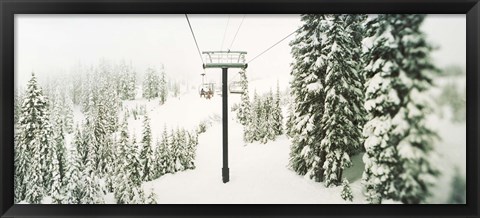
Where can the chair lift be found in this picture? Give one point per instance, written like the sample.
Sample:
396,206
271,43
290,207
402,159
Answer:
206,89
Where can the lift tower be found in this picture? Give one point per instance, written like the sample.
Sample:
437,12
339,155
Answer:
224,60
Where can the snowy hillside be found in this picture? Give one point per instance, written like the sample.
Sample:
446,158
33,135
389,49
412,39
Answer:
353,109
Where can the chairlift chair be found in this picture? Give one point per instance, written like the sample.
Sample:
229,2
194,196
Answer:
206,90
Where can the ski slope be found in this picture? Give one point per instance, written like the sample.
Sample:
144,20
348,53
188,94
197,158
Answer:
258,174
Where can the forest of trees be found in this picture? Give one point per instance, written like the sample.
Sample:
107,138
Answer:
349,98
262,118
103,157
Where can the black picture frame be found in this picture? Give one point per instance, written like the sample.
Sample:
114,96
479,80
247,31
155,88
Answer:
8,8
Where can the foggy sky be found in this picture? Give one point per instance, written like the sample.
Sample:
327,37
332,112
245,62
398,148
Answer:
54,44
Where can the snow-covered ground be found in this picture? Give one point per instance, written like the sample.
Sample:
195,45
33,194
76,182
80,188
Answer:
259,172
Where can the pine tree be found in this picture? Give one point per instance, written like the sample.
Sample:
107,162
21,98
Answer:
257,115
132,87
111,166
167,142
57,191
277,116
192,145
68,111
151,84
175,152
163,87
184,149
267,122
146,152
244,109
134,166
58,118
61,153
307,89
250,130
109,103
343,100
126,87
121,162
123,188
398,143
93,191
34,157
416,144
101,121
74,187
289,126
346,191
35,190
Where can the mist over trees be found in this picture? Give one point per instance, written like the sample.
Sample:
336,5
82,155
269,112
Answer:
102,156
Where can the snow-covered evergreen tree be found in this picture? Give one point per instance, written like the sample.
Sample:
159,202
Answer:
68,113
343,100
74,186
169,151
93,191
179,150
267,122
57,192
161,154
110,167
127,82
416,145
163,87
134,166
244,108
175,151
182,142
151,84
398,143
60,153
277,116
346,191
35,154
307,88
121,162
191,149
251,132
146,152
289,125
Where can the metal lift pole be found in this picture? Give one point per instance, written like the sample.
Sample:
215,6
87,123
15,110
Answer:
225,169
225,60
